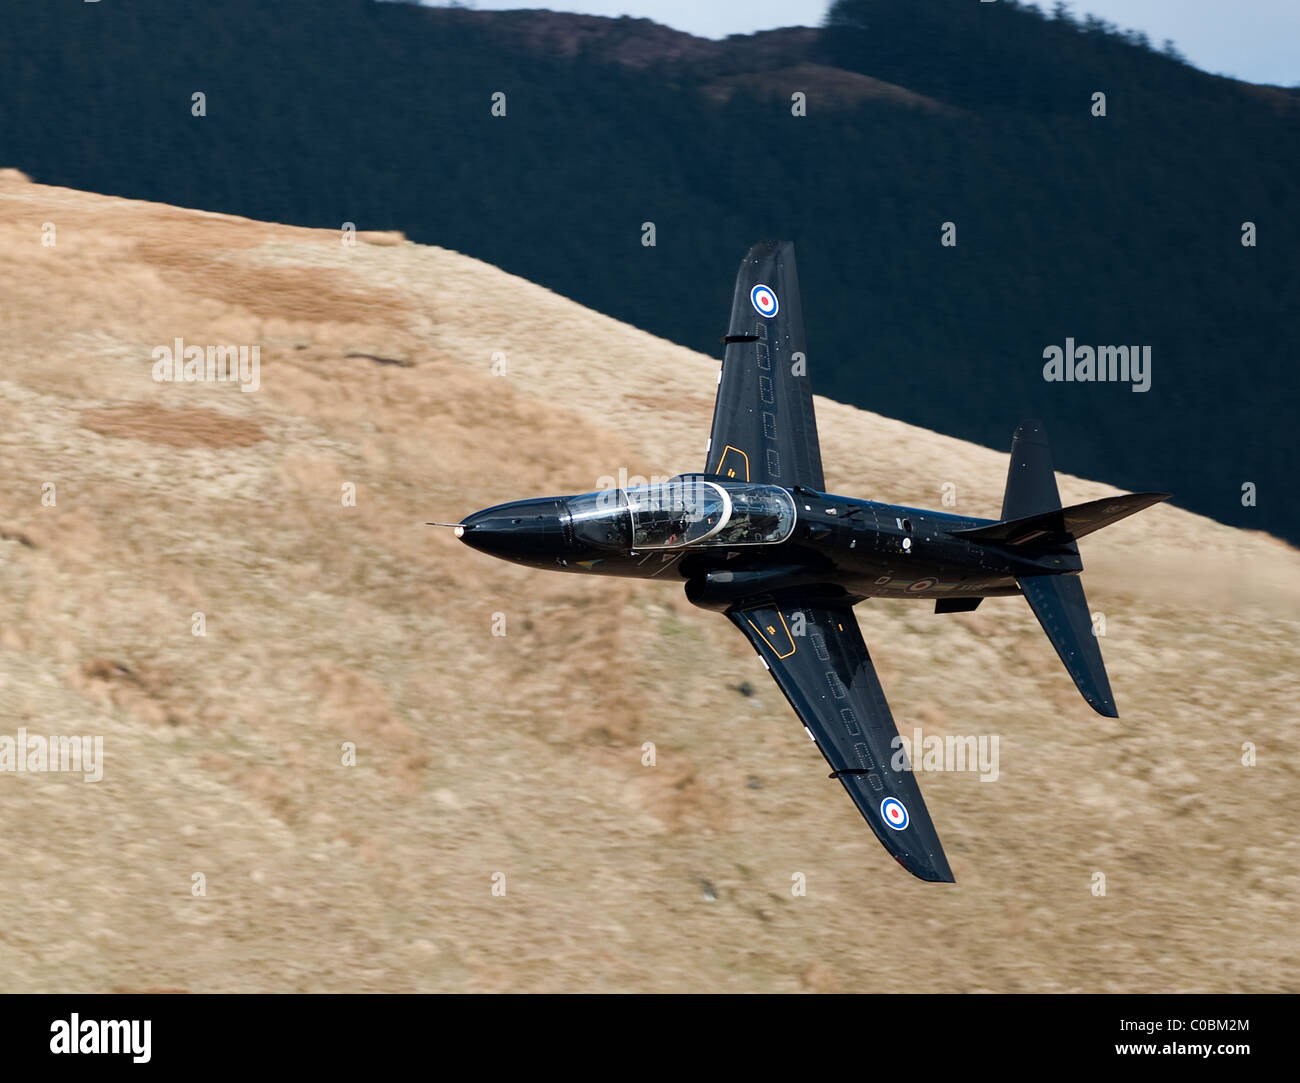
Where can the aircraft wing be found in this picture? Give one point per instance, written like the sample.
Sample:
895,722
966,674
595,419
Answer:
827,676
764,429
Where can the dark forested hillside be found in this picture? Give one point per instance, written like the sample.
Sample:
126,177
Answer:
1123,229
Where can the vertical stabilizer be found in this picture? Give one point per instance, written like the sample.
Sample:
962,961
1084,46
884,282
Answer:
1031,482
1057,600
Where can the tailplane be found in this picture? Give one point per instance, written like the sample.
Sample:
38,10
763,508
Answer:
1034,525
1061,608
1031,505
1062,525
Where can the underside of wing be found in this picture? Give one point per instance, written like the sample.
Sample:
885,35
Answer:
818,658
764,429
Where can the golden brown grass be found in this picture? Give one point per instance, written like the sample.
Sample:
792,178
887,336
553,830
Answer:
521,755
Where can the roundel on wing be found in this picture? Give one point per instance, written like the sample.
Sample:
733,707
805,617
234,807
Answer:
764,301
893,813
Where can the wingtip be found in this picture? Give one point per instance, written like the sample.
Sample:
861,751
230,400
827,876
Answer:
767,248
935,876
933,871
1104,705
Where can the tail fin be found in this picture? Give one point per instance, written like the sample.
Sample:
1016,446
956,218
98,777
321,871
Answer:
1061,608
1031,482
1031,506
1032,517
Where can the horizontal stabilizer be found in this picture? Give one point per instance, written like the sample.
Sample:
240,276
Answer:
1062,524
1061,608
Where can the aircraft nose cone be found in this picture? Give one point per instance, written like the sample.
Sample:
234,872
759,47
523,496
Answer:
523,531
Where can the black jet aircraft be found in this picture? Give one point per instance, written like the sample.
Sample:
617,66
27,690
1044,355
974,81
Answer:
757,537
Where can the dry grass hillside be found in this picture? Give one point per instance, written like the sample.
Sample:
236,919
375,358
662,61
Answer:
521,754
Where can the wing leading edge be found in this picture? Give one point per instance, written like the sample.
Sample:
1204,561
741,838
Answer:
764,428
827,676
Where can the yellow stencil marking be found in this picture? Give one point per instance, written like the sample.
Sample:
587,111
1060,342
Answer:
772,630
730,470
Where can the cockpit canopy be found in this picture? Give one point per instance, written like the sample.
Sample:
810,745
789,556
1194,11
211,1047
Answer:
683,511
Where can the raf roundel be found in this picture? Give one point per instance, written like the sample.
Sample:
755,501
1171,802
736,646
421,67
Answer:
764,301
893,812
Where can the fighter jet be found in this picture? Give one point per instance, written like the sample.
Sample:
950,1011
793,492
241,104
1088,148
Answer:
755,536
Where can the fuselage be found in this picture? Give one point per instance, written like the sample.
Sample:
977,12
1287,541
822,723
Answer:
730,540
